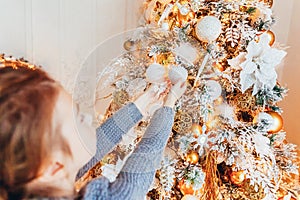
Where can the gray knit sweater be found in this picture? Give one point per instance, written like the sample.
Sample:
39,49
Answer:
138,172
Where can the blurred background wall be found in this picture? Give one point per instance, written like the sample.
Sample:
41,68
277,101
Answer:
59,34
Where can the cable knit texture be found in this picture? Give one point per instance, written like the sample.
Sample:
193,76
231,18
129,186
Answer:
138,172
110,133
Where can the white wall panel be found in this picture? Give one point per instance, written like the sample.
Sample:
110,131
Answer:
13,27
46,35
59,34
291,77
78,25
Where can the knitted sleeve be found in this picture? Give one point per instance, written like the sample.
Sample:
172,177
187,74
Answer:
138,172
110,133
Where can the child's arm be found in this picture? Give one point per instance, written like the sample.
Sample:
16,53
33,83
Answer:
110,133
138,172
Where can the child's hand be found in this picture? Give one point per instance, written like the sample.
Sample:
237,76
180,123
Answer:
175,93
152,97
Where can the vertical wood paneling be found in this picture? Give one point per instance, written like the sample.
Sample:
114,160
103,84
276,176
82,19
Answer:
111,18
59,34
133,13
78,37
28,30
62,38
13,27
45,30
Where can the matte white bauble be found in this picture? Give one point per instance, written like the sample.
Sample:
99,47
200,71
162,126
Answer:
177,73
155,73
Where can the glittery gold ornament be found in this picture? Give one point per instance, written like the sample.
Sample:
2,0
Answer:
237,177
247,191
185,188
183,122
192,157
243,102
277,123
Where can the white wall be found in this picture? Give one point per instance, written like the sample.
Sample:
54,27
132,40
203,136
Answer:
59,34
291,77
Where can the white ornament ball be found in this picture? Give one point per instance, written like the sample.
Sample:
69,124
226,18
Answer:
177,73
214,89
190,197
155,73
208,28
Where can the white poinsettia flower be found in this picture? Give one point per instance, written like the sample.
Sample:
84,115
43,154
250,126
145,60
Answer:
235,62
258,65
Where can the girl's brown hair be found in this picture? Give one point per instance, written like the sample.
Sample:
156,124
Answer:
27,100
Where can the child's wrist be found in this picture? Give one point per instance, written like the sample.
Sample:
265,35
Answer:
170,101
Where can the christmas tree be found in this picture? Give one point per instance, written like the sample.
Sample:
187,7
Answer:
227,140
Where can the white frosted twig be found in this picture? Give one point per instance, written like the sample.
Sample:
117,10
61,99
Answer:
201,68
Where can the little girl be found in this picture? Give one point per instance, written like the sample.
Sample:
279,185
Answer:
41,153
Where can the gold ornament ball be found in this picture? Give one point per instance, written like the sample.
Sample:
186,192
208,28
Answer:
185,188
192,157
278,122
128,45
237,177
271,36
